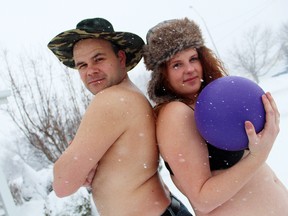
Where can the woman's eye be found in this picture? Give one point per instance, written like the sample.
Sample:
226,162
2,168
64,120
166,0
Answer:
194,59
176,66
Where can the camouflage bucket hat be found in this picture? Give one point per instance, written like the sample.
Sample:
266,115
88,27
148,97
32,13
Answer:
62,44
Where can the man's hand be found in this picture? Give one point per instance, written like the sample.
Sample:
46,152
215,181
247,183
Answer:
90,177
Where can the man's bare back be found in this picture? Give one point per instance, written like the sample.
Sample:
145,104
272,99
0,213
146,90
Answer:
132,160
123,142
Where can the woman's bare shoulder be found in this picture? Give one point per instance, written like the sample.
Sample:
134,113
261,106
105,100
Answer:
176,108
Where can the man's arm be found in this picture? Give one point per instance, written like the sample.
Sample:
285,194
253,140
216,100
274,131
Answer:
90,177
100,127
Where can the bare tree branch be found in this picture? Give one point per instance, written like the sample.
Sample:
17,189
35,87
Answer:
47,103
258,53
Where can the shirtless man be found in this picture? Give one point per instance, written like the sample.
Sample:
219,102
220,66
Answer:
115,141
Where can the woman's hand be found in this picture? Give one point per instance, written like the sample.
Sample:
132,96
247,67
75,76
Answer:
261,144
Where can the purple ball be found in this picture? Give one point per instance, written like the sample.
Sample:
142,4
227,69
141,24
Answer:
222,108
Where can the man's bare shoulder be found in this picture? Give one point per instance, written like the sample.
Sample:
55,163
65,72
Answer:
120,97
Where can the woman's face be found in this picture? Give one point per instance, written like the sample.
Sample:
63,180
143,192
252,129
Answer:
184,72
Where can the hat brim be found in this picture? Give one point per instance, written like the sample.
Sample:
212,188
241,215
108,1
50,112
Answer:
62,45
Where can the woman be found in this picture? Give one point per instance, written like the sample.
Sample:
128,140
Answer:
216,182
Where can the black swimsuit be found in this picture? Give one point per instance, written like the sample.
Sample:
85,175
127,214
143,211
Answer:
219,159
222,159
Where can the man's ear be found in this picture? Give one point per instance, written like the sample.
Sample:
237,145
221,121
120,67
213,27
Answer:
122,58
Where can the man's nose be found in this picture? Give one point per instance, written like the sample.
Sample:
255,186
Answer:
92,69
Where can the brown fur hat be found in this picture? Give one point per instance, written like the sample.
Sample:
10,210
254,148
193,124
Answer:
169,37
163,41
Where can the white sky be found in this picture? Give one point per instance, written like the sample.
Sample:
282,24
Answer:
28,23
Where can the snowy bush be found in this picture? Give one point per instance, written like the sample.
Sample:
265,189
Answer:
16,192
30,184
78,204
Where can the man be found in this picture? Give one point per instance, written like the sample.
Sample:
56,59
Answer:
115,145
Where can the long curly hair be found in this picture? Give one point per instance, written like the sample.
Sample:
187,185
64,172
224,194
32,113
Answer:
160,91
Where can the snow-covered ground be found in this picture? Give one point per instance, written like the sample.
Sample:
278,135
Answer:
277,159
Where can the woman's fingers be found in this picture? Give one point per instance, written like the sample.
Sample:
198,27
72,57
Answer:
261,143
274,107
250,130
252,136
272,114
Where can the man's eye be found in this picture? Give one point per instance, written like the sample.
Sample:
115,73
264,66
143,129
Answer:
82,66
98,59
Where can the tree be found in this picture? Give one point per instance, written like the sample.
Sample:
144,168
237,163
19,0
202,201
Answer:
257,53
47,103
284,44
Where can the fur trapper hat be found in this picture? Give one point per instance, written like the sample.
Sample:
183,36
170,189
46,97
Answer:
169,37
164,41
